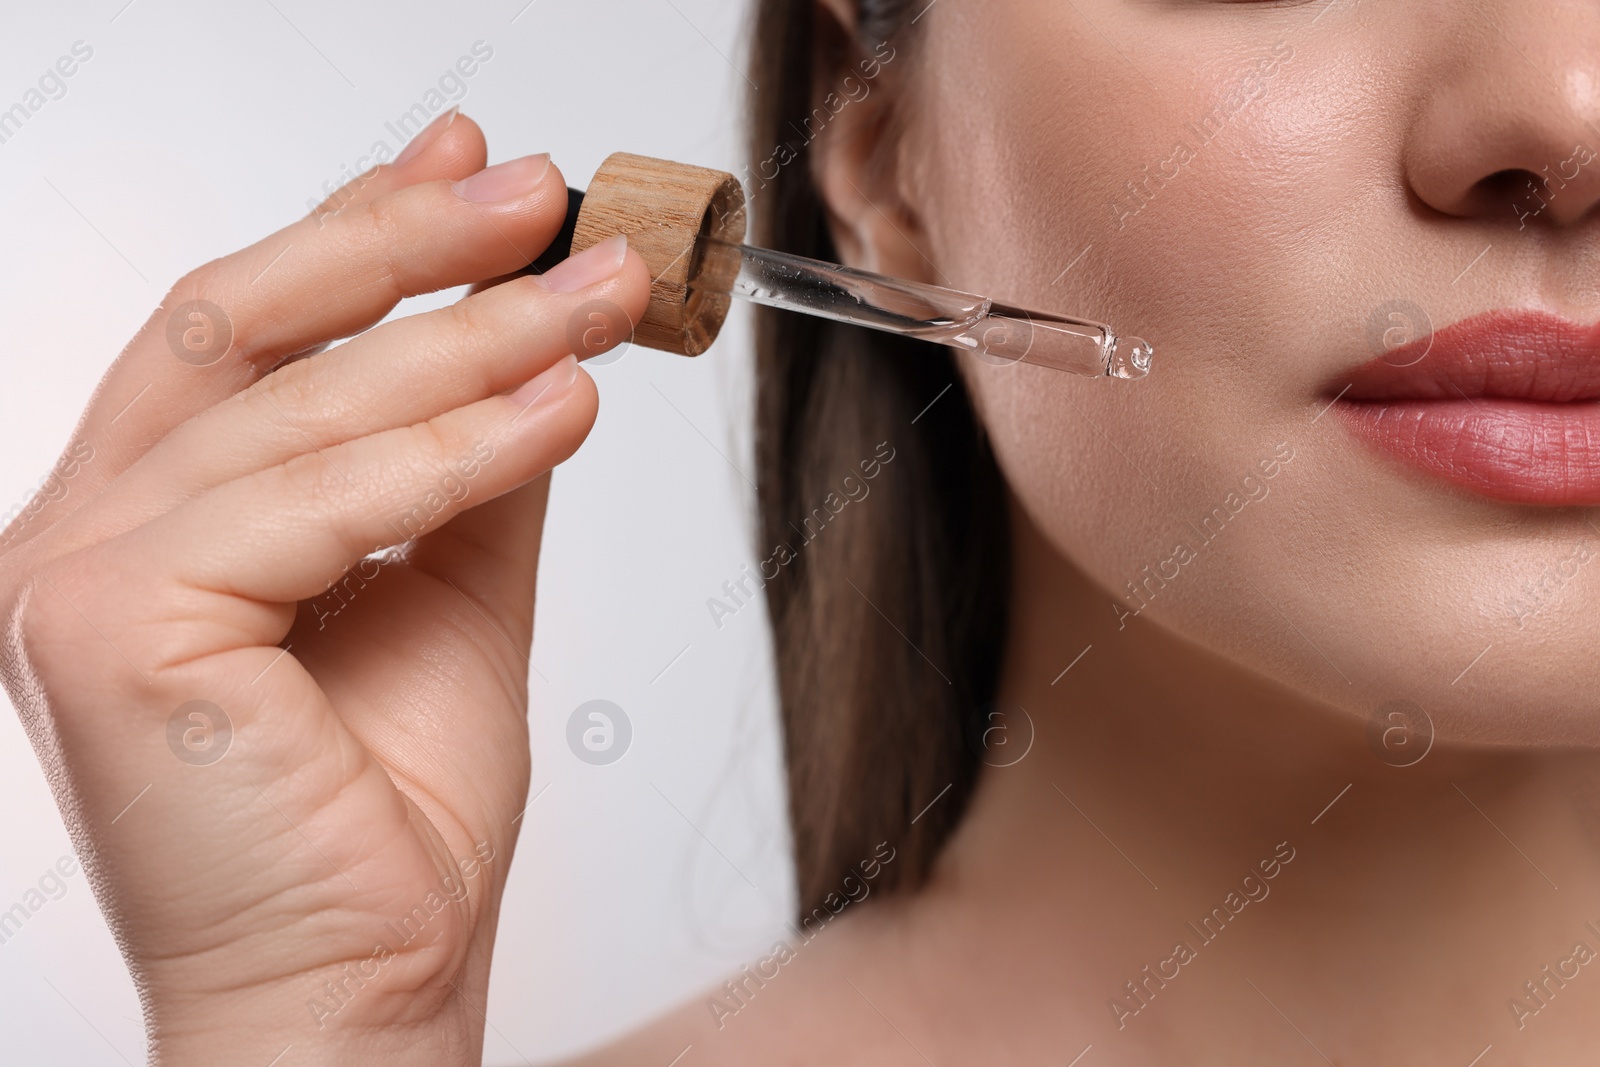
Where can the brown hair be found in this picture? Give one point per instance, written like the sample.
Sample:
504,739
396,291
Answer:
888,621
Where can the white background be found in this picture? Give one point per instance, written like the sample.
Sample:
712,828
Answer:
197,128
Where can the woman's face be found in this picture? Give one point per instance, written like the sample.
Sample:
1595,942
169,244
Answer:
1275,195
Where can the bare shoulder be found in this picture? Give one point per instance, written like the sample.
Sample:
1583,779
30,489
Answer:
804,1001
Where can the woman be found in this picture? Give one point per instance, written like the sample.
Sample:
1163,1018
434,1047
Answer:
1239,715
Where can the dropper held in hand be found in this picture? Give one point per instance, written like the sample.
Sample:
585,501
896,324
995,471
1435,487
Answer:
687,223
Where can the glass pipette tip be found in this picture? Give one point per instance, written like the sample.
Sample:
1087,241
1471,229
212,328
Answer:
995,332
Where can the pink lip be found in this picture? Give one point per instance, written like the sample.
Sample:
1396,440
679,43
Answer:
1505,403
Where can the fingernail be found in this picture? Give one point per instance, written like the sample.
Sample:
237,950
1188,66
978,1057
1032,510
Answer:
548,386
505,181
593,264
430,133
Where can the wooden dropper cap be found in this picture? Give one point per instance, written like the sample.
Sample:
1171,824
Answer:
664,208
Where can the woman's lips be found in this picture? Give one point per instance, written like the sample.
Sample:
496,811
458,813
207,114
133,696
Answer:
1506,403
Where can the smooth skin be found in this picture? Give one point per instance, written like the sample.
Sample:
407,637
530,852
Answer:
376,758
1386,153
1172,755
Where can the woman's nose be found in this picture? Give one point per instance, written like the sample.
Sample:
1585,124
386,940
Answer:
1509,129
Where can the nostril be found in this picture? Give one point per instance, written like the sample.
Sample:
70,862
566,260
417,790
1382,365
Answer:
1504,188
1500,184
1516,193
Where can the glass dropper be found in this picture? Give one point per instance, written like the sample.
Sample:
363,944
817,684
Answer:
995,332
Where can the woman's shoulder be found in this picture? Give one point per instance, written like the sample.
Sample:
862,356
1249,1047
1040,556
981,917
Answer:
803,1001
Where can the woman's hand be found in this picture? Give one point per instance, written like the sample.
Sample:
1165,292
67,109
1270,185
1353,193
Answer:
295,772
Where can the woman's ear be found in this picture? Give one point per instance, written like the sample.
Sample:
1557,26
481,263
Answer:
858,147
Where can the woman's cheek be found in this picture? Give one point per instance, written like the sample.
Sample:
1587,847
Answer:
1248,215
1197,212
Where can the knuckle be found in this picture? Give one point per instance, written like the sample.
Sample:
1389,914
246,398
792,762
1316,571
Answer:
308,477
381,217
379,225
66,636
57,649
478,320
195,314
42,625
376,222
340,199
427,446
291,392
425,495
202,281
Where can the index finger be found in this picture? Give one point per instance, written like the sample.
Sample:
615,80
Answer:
409,230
